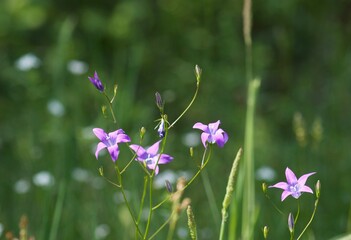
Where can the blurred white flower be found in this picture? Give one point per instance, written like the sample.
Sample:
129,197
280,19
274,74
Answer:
77,67
43,179
102,231
265,173
80,175
97,183
22,186
56,108
27,62
191,139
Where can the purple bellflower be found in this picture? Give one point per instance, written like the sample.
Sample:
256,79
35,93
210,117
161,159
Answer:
150,156
96,82
110,141
212,134
161,128
293,186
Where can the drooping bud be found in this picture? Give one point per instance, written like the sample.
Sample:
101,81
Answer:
96,82
161,128
291,222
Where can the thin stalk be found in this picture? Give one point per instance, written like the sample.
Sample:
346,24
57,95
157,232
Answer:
126,200
311,219
162,226
110,106
151,210
187,108
58,211
211,198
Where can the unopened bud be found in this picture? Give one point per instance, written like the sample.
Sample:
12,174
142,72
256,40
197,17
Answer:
265,232
168,186
159,101
318,189
142,132
291,222
161,128
101,171
191,151
264,188
198,72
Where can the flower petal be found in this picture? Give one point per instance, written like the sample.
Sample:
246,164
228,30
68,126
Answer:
290,176
201,126
281,185
285,194
306,189
100,134
153,149
302,180
114,152
220,137
214,126
140,151
165,158
98,148
122,138
204,138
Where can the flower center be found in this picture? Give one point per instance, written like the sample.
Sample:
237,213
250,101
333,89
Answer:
295,190
148,160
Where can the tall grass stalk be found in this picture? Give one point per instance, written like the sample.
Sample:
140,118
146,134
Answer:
229,193
248,212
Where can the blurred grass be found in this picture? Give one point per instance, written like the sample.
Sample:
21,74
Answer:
301,51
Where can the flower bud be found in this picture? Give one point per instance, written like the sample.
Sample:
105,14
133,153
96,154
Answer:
159,101
318,189
264,188
291,222
168,186
142,132
265,232
191,151
198,72
101,171
96,82
161,128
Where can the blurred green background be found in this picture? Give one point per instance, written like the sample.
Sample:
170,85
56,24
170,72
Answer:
301,52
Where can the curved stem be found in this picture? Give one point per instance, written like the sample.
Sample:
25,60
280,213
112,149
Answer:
187,108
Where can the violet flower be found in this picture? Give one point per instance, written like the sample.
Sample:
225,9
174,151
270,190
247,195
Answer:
212,134
161,128
110,141
293,186
150,156
96,82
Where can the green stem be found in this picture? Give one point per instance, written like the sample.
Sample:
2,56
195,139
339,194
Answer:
110,106
187,108
311,219
126,200
151,209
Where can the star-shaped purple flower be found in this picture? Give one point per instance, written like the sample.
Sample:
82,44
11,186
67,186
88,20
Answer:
110,141
212,134
293,186
96,82
150,156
